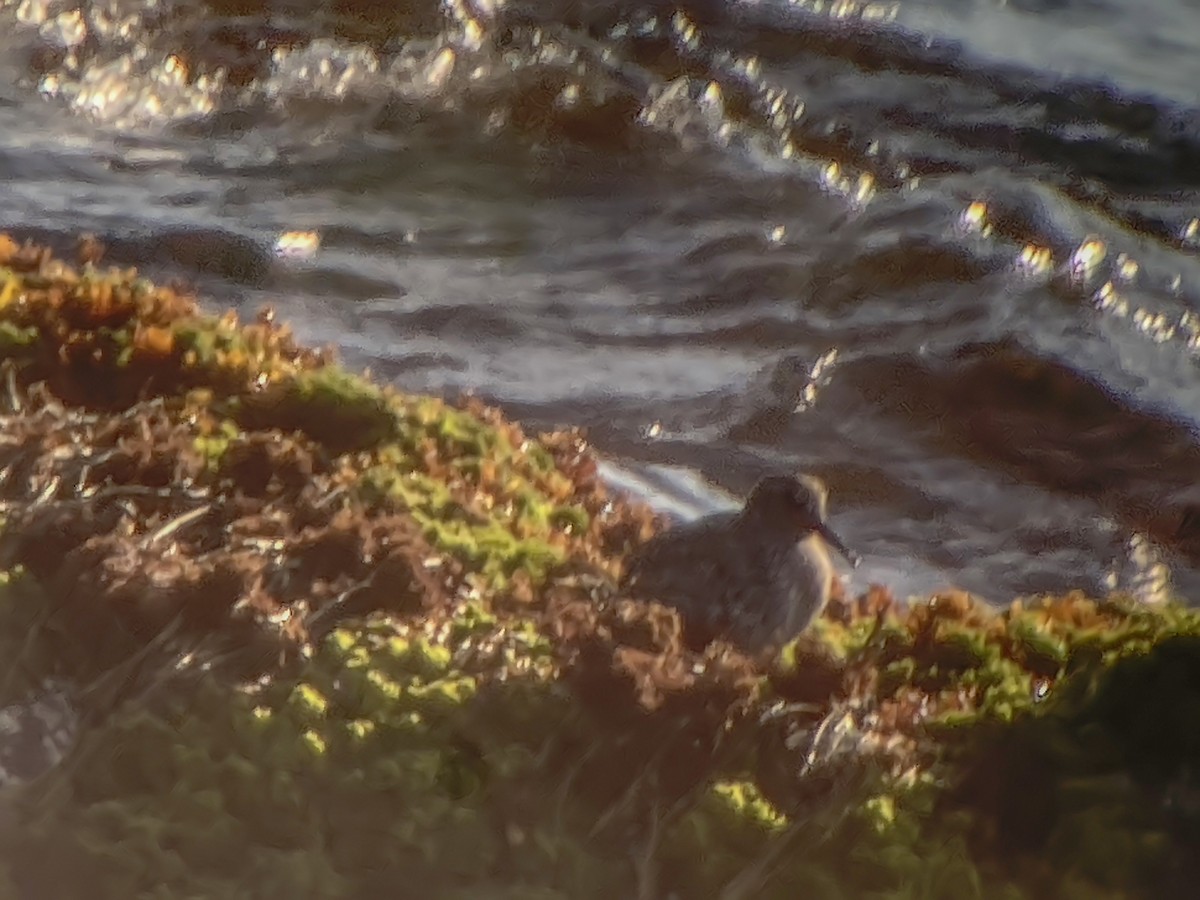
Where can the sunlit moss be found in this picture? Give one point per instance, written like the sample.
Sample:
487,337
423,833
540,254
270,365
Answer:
213,442
342,411
13,339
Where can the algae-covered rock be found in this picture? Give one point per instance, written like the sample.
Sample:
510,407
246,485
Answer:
325,639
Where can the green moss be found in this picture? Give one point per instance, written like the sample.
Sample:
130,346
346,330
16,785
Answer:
342,411
209,342
213,445
1040,649
367,795
15,340
493,543
1084,776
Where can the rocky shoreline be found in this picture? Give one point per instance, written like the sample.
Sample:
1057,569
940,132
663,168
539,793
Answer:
320,638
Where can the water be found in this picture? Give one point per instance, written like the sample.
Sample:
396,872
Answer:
945,254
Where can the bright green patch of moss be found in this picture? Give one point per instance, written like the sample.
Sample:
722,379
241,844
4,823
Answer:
374,770
493,539
15,340
213,444
342,411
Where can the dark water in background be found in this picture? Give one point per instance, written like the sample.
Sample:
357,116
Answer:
943,253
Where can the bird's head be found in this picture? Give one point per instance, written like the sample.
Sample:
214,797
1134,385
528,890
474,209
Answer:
795,502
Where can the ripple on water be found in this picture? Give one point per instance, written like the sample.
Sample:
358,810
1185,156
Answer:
1002,406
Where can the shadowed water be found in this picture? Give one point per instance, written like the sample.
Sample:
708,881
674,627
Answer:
943,254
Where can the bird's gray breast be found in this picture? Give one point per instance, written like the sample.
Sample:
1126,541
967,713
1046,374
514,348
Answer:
811,572
786,592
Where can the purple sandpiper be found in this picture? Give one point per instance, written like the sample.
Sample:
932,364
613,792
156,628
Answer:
756,577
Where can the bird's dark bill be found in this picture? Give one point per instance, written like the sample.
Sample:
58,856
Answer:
838,544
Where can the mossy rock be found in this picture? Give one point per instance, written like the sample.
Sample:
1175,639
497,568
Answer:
331,640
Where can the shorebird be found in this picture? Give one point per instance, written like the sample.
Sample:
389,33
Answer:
756,577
